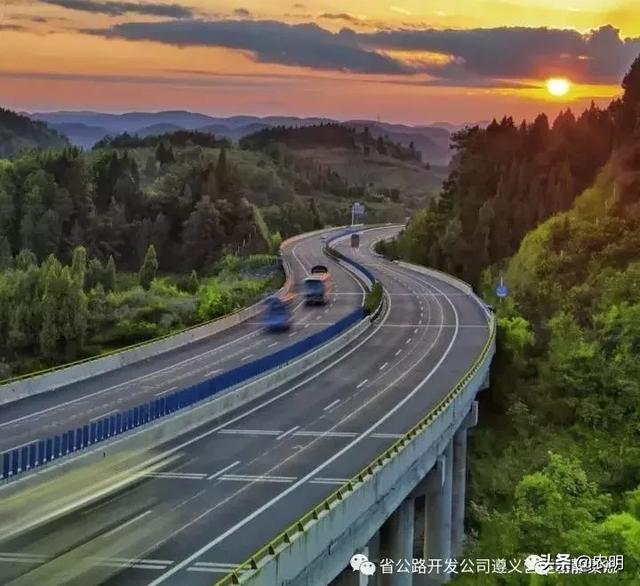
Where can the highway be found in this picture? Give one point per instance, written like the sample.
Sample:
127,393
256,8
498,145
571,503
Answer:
55,412
246,477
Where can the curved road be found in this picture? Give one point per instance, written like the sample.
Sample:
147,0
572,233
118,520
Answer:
244,478
77,404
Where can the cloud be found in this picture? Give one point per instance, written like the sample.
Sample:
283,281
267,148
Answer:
242,13
340,16
304,45
497,57
600,56
120,8
11,27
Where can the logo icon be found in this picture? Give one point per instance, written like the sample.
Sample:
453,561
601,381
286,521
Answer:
537,565
360,562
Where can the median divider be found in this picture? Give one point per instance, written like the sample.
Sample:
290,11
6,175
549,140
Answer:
233,388
268,564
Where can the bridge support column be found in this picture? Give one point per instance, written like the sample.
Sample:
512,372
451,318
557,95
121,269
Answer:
438,506
460,479
397,544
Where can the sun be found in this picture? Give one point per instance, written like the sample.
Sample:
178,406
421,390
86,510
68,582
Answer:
558,86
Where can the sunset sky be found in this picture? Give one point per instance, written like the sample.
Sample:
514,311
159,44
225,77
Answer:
412,61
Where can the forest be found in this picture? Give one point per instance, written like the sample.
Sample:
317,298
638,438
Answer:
140,237
554,209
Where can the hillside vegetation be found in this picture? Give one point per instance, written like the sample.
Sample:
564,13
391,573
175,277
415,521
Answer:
555,462
19,133
142,236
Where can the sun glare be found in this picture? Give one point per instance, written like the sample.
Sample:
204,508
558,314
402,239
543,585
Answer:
558,86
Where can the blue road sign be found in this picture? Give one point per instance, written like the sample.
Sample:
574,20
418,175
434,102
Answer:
502,291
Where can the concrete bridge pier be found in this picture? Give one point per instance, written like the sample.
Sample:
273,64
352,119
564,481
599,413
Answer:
460,480
396,540
444,493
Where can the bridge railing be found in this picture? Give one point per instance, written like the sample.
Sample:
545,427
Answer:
299,527
50,449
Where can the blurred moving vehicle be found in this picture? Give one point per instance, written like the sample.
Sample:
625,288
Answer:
278,313
355,240
318,286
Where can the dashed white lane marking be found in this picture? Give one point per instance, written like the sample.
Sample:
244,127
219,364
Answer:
384,366
212,372
112,412
408,341
193,497
330,405
177,475
333,481
415,331
223,470
258,478
137,563
288,432
213,568
272,344
169,390
398,351
246,357
250,432
364,382
292,334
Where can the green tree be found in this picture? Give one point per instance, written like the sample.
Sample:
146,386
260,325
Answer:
109,281
193,284
6,258
317,222
25,259
222,171
203,234
149,268
95,274
79,265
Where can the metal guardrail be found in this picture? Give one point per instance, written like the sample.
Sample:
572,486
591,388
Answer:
44,451
300,526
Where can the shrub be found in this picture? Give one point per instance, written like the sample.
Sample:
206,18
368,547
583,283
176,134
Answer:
373,298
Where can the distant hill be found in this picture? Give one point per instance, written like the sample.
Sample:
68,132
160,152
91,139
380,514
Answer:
431,140
158,129
18,133
79,134
376,164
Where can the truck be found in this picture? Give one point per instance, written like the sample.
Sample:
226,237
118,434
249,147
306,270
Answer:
318,286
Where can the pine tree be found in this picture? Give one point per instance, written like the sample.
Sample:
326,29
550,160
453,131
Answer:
6,258
25,259
203,234
95,274
109,281
79,265
149,268
222,171
316,219
193,284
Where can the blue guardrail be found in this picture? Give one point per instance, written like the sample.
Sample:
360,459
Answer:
44,451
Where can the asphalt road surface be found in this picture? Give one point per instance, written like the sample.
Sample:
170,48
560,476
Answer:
244,478
69,407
